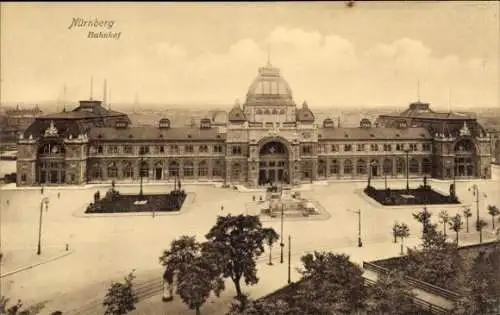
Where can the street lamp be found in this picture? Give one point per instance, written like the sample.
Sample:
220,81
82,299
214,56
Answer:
141,153
360,243
475,192
44,201
407,151
289,258
282,245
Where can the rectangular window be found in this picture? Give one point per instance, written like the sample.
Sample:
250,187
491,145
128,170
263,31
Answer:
374,147
335,148
23,177
426,147
347,147
361,147
203,148
174,149
387,147
236,150
127,149
144,150
188,148
307,149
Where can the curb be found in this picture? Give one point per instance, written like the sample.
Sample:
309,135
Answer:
10,273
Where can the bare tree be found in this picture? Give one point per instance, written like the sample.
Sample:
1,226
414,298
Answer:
444,218
493,211
456,224
467,215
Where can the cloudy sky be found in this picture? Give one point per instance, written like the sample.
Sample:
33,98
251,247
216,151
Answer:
373,54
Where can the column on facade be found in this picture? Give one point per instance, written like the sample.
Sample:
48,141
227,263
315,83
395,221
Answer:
394,169
314,171
328,163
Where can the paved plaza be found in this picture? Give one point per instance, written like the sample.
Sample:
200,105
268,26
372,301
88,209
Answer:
106,248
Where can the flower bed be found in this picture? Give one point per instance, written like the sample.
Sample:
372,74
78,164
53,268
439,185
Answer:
420,196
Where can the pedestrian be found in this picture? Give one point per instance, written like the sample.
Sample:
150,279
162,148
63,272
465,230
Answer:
221,208
8,202
41,190
58,195
253,198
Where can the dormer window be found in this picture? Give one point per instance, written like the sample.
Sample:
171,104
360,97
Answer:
121,124
164,123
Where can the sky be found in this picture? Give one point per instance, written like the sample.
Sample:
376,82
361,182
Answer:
370,55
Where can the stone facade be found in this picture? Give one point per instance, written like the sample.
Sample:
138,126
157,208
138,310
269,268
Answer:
267,139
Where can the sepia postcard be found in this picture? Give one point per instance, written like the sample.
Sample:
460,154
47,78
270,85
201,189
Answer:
250,158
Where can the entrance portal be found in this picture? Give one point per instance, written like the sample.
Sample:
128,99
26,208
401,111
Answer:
273,165
158,173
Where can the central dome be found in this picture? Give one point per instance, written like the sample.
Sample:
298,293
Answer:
269,85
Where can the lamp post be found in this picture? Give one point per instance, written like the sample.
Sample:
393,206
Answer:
44,201
282,245
358,212
475,192
289,258
407,151
141,153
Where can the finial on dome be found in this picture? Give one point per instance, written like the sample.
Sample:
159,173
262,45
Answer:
304,104
237,103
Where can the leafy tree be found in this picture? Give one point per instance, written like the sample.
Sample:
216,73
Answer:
182,251
484,282
16,309
235,243
444,218
479,227
402,231
263,307
493,211
467,215
423,217
332,285
120,298
197,280
271,238
390,294
456,225
437,262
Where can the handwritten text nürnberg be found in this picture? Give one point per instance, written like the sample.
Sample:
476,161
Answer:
95,23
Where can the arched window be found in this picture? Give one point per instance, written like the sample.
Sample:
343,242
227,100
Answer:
282,112
203,169
267,112
235,171
361,166
426,166
387,166
173,169
112,170
465,146
128,171
400,166
275,112
217,169
334,167
188,169
413,166
95,171
51,148
322,168
259,112
348,167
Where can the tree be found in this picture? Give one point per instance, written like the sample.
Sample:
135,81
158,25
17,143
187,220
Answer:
197,280
479,227
181,252
444,218
390,294
456,225
16,309
395,227
493,211
423,217
402,231
467,215
438,262
271,238
235,243
120,298
484,282
263,307
332,285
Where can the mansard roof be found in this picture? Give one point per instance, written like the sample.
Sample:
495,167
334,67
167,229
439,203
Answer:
423,111
155,133
380,133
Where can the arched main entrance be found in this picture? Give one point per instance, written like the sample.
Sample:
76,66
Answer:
273,163
51,165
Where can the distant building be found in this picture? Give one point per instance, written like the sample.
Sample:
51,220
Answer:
15,120
266,139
